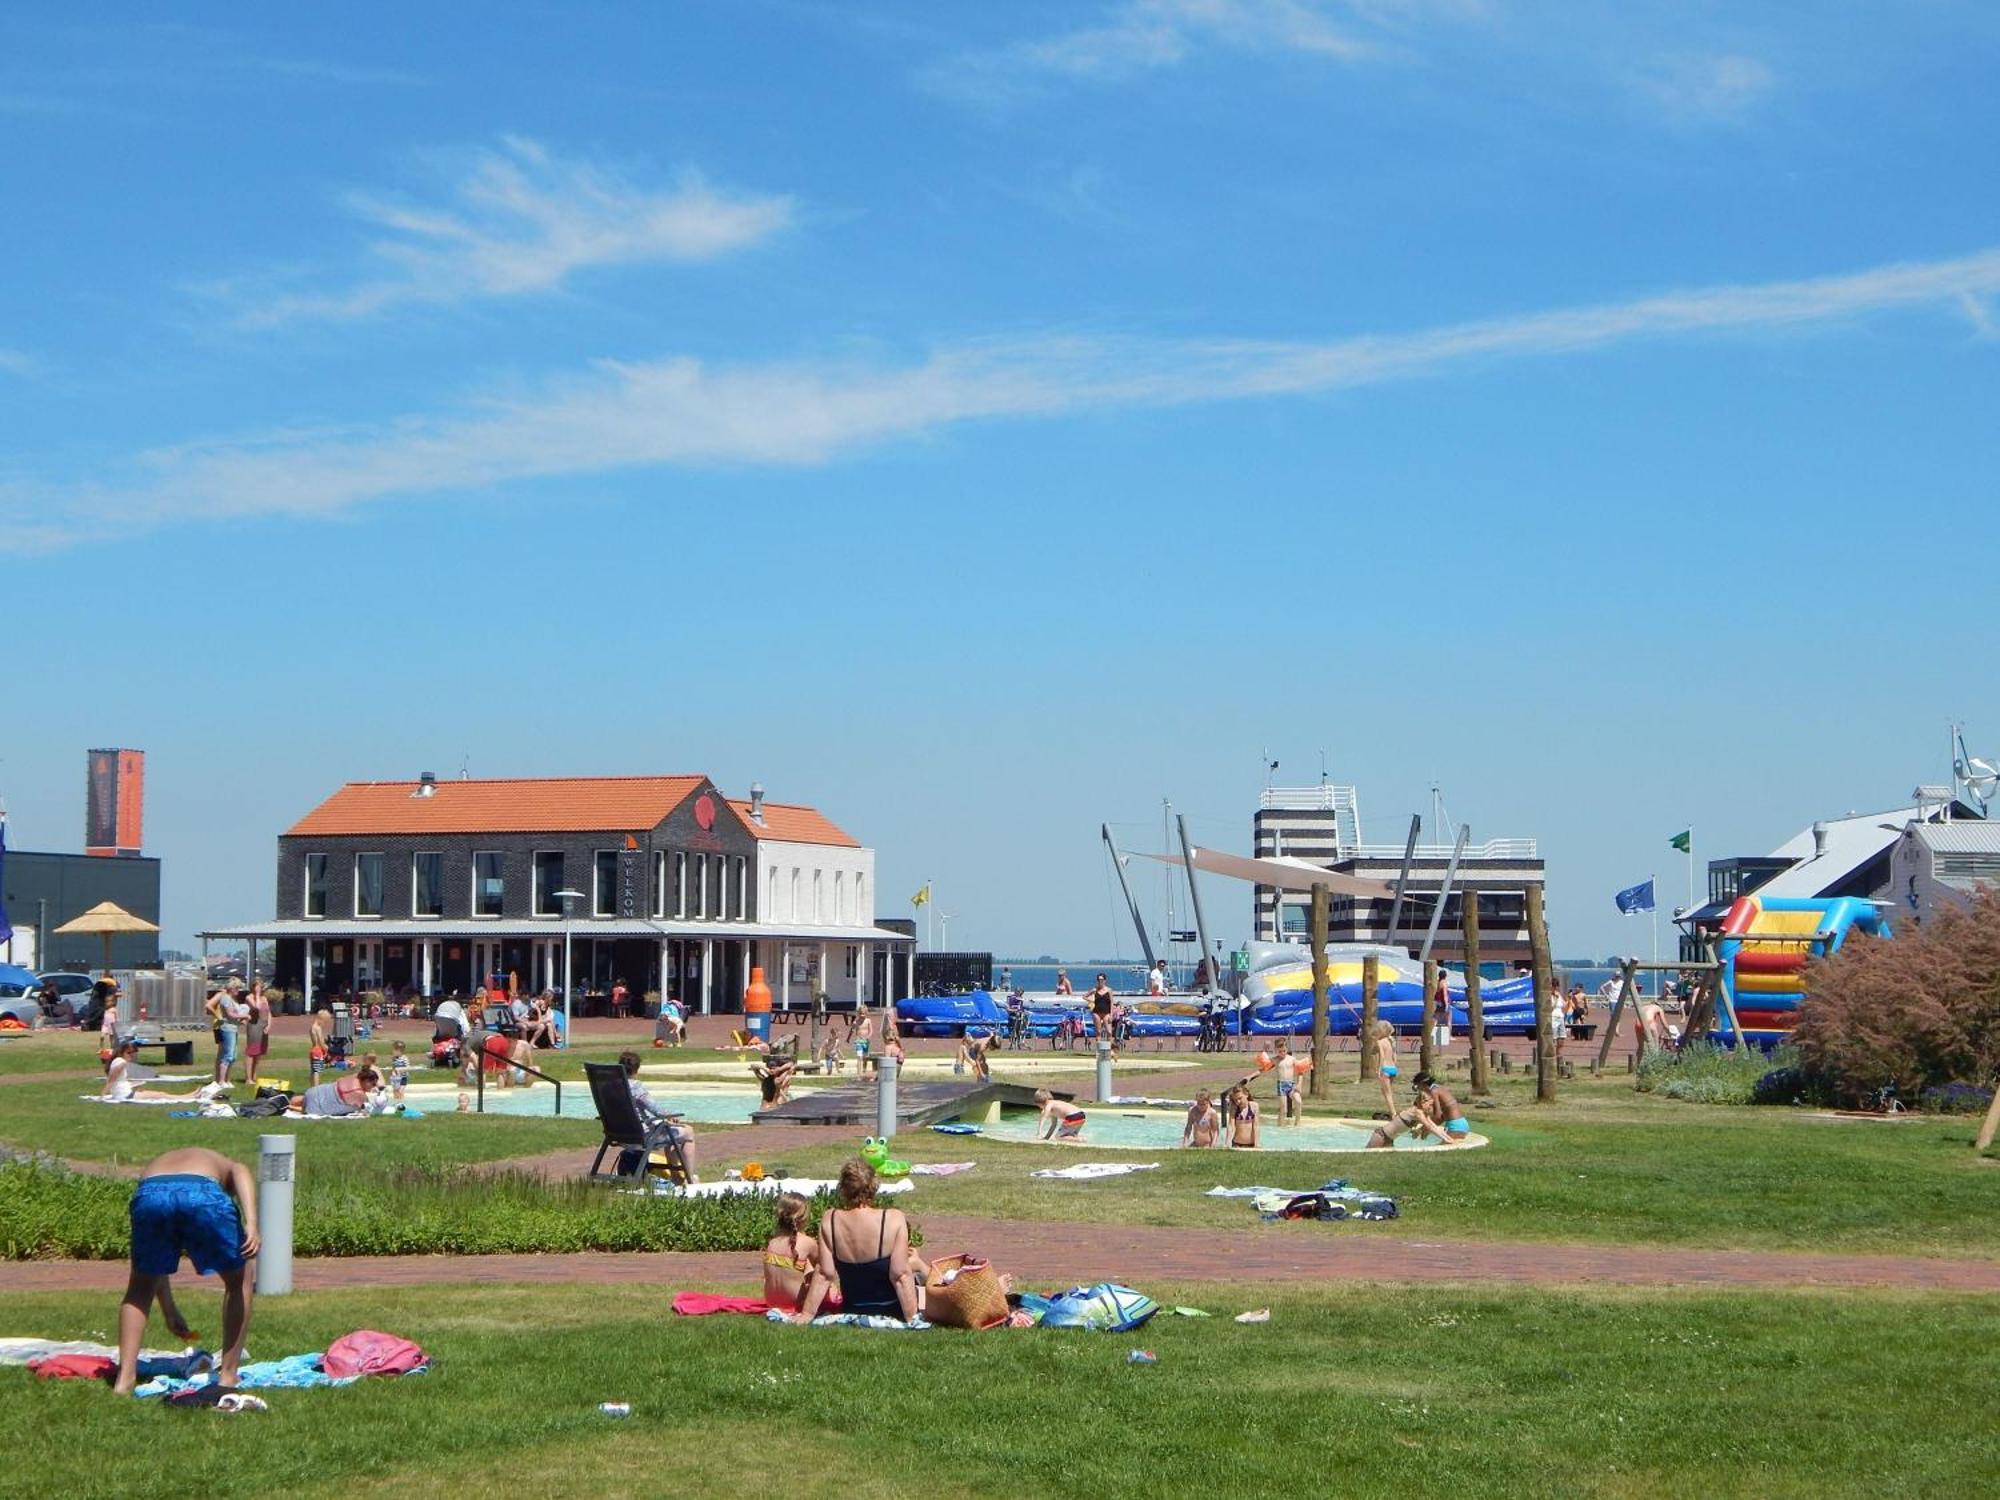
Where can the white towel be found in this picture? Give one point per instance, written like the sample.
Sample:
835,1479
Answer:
1086,1171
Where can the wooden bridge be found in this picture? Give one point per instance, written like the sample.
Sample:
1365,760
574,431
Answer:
917,1104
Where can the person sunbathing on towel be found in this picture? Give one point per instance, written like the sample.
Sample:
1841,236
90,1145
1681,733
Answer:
119,1086
347,1095
1061,1120
865,1252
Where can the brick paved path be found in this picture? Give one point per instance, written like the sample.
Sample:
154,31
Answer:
1050,1254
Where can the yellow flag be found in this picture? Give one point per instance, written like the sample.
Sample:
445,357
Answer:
922,897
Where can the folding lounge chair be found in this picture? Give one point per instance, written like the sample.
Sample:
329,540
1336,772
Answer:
625,1131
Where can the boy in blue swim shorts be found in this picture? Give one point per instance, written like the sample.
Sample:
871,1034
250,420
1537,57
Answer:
198,1203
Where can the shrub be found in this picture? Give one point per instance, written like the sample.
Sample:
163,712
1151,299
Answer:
1917,1012
1956,1099
1789,1085
1701,1073
48,1212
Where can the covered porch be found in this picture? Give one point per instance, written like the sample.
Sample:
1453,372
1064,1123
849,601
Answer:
704,965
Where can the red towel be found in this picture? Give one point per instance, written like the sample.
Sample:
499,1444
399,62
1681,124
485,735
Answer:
74,1367
701,1304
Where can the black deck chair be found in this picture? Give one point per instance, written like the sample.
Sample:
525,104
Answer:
625,1130
500,1018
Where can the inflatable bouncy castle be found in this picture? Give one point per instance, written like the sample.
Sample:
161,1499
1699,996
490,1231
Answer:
1277,997
1763,950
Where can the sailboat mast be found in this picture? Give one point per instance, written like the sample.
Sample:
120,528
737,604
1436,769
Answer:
1138,921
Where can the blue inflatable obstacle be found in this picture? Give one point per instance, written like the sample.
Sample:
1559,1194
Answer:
1277,996
951,1015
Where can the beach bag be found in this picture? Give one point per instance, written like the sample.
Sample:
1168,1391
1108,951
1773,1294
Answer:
1104,1308
366,1352
972,1298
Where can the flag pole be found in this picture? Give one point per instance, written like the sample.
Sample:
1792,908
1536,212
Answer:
1656,944
1690,855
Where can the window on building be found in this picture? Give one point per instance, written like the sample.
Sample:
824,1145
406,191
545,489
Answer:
771,896
796,911
489,883
742,889
368,885
315,885
1293,919
680,884
863,917
604,890
548,880
853,961
659,906
701,885
717,869
427,883
819,897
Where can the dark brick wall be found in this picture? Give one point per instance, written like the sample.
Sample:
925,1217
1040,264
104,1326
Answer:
681,831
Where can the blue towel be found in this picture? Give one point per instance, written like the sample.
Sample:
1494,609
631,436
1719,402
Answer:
956,1128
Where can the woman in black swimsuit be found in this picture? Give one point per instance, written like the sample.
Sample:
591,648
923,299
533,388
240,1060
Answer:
864,1250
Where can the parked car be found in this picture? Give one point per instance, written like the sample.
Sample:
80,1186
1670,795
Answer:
74,988
20,994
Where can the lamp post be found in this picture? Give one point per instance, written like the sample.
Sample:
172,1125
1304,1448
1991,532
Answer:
567,896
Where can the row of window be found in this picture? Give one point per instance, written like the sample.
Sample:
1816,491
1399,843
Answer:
699,886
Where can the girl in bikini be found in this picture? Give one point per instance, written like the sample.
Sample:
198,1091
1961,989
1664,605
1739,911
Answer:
789,1256
1242,1117
1383,1040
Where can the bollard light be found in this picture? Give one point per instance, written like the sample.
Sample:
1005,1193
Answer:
276,1156
885,1097
1103,1072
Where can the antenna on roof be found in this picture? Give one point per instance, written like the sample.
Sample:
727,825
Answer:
465,768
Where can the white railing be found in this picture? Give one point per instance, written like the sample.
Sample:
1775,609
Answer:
1491,849
1323,798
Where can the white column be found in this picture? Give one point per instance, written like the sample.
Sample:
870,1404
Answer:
664,981
825,971
707,972
424,969
309,975
864,971
785,973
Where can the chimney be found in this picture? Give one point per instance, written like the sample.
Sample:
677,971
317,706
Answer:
757,802
1819,840
427,785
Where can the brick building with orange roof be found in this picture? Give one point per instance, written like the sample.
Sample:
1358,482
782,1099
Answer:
432,888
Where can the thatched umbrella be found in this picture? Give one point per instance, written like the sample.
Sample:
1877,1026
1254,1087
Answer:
106,919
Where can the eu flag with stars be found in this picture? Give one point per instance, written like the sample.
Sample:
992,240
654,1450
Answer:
1636,897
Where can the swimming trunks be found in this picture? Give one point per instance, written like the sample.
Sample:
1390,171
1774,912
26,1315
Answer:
1456,1127
1072,1125
1388,1070
225,1040
181,1211
1285,1089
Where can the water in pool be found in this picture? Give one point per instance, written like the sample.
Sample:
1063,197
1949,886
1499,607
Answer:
705,1106
1158,1130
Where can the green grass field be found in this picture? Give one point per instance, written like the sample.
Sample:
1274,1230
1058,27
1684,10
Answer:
1606,1165
1352,1391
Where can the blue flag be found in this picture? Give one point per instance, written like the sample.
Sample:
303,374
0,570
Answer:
1636,897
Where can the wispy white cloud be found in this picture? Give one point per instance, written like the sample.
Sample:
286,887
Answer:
1708,88
520,219
684,412
1135,35
15,362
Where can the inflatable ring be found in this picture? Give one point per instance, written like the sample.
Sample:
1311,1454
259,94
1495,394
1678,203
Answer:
875,1151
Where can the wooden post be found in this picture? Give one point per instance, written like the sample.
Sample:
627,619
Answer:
1475,1008
1538,947
1625,995
1426,1050
1990,1124
1371,971
1316,930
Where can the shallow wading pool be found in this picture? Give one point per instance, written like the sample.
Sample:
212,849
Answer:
718,1105
1159,1130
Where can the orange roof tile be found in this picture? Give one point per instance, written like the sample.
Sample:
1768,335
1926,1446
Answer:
554,804
794,823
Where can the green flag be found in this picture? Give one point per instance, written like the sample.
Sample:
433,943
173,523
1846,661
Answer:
1683,841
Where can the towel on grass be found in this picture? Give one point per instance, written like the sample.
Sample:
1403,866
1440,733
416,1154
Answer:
941,1168
1089,1171
805,1187
855,1320
705,1304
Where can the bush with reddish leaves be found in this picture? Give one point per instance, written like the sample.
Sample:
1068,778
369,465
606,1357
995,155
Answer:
1919,1011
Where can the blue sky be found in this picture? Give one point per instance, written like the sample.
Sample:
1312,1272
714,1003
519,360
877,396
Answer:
984,421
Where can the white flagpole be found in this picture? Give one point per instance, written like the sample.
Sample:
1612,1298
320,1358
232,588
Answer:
1656,938
1690,854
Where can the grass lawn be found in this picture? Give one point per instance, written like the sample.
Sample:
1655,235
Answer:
1350,1391
1605,1165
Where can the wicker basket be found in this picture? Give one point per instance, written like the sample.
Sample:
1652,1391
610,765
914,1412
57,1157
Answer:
972,1300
